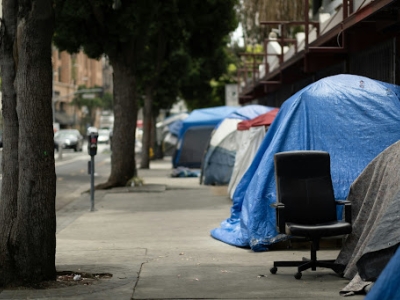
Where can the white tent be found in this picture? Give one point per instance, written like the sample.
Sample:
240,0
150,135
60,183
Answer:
247,143
249,137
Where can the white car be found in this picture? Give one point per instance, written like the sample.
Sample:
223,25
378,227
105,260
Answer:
104,136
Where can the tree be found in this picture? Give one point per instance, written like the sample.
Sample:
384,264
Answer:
139,37
118,30
184,31
27,206
91,101
198,88
163,96
166,39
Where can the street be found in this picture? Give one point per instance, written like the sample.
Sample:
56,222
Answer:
72,172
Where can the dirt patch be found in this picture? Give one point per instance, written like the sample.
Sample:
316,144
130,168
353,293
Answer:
66,279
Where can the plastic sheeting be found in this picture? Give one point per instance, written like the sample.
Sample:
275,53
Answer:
375,199
249,138
261,120
220,156
168,131
352,117
247,142
387,286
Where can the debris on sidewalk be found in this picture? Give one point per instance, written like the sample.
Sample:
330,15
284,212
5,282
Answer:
184,172
135,181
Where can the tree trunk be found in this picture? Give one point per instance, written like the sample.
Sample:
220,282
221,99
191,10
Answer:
123,166
27,206
153,137
147,127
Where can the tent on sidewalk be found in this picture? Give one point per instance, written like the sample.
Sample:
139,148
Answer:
387,286
375,198
168,132
195,133
249,137
220,156
353,118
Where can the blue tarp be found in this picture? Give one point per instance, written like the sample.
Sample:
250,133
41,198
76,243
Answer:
205,120
175,127
354,118
206,116
387,286
249,112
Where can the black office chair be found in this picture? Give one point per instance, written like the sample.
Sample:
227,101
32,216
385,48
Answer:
306,205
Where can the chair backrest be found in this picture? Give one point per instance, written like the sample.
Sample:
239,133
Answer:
304,185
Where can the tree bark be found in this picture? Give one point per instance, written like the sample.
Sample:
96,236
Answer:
147,127
123,166
27,206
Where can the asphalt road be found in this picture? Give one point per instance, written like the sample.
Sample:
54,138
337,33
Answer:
72,172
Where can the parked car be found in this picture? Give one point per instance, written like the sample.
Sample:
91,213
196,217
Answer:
104,136
68,139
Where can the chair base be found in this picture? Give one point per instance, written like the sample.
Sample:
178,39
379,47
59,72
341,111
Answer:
308,264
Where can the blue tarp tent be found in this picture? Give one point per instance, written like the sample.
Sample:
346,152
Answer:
220,156
354,118
387,287
195,134
168,131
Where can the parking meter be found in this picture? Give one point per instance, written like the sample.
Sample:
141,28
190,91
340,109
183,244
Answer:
92,149
92,145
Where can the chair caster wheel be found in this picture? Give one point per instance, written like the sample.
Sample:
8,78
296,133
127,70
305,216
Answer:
297,275
273,270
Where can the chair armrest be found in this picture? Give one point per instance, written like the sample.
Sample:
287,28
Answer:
277,205
342,202
347,209
280,216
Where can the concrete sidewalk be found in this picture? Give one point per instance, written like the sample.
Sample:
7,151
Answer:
156,243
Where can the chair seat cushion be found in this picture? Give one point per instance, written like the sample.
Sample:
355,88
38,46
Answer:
318,230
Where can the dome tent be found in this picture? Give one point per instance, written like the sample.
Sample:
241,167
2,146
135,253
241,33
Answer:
352,117
220,156
195,133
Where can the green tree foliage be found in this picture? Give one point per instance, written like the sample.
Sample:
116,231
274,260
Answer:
187,34
209,60
81,100
91,101
121,31
152,46
174,37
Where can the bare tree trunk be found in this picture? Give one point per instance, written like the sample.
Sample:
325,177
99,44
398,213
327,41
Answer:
153,133
8,204
147,140
123,166
147,127
27,207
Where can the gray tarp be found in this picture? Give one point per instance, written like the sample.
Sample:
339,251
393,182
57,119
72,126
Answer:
375,198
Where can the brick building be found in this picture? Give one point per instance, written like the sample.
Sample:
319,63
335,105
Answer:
70,72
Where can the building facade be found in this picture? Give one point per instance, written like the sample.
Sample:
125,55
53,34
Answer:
69,73
359,37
